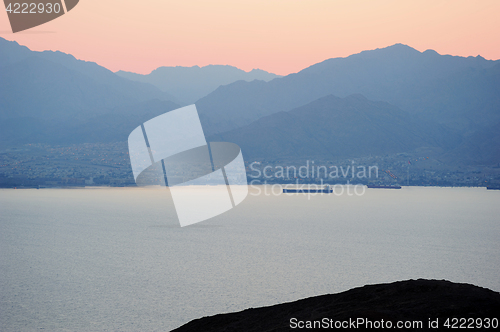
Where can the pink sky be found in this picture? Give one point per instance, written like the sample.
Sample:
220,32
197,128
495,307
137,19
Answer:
280,36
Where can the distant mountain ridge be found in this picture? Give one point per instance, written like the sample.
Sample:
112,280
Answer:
11,53
453,95
443,88
46,96
334,128
188,84
389,100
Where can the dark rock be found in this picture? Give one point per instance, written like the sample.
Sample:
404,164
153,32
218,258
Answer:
411,300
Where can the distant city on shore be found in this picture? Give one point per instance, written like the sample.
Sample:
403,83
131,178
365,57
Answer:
108,164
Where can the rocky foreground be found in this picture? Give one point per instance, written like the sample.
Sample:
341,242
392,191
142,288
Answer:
437,304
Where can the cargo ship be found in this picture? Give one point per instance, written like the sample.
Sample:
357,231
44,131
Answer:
383,187
327,190
493,188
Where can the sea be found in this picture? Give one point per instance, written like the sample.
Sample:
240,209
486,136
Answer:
116,259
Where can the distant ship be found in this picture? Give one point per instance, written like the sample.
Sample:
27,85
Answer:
493,188
383,187
327,190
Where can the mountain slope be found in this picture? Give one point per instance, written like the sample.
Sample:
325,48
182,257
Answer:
189,84
436,87
333,127
450,104
112,126
50,97
12,53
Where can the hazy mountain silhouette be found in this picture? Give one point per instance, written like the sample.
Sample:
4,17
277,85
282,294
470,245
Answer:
188,84
11,53
481,147
45,94
413,100
460,92
333,127
112,126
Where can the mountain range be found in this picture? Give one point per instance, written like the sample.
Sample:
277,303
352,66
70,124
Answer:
460,92
333,128
188,84
377,102
50,97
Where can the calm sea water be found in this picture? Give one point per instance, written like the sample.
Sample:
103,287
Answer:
116,259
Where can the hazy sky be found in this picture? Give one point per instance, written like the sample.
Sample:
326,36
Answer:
281,36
